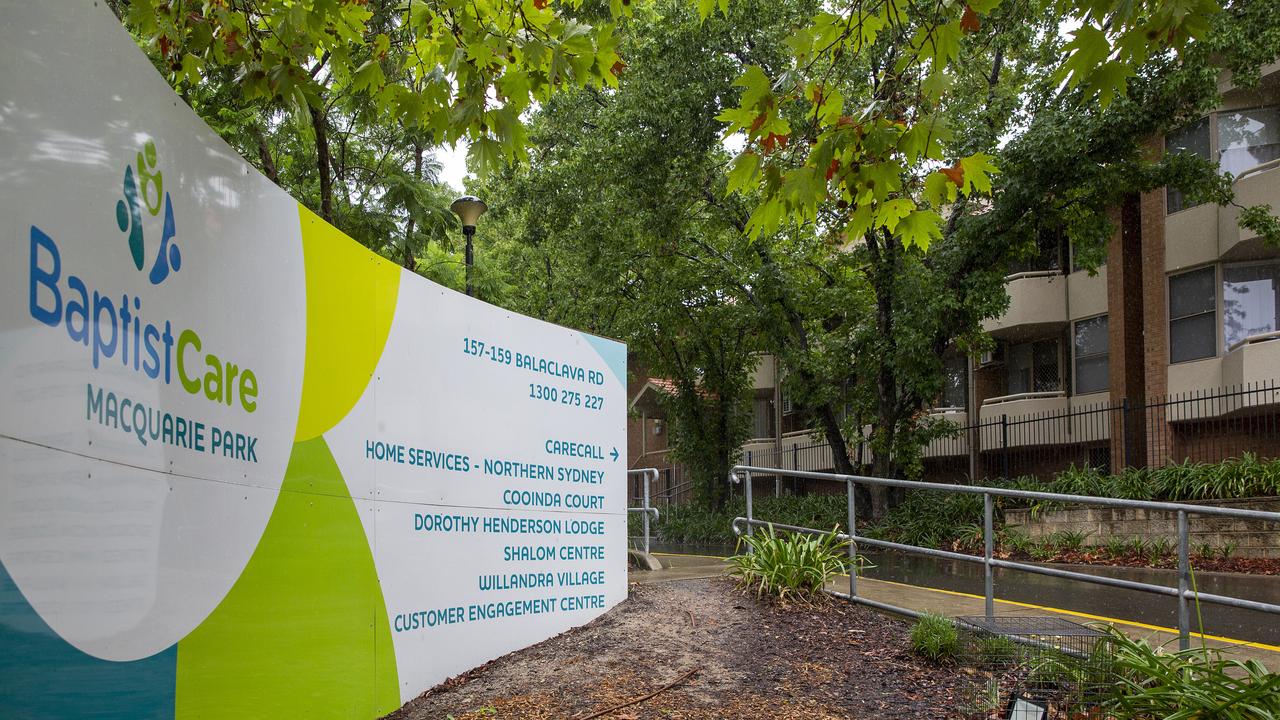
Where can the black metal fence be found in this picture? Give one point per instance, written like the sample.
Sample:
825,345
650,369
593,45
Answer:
1012,439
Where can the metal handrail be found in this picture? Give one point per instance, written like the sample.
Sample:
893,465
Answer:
1025,274
650,474
1252,339
989,563
1038,395
1257,169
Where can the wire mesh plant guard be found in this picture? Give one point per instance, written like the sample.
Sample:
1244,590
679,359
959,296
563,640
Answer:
1065,663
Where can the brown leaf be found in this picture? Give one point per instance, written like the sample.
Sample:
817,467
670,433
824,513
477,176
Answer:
955,174
969,22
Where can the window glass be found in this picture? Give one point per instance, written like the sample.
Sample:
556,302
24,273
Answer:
1045,353
1192,333
1092,356
762,415
1047,255
1019,369
1033,367
955,387
1248,138
1250,301
1191,293
1193,139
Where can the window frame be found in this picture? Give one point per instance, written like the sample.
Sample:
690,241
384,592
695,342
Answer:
1222,296
942,403
1076,356
1211,127
1216,311
1215,150
1008,354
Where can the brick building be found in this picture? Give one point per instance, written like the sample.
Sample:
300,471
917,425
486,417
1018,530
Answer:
1169,351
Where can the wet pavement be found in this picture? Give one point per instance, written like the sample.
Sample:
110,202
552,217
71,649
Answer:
954,588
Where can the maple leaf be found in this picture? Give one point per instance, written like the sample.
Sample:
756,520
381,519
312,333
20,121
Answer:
617,68
969,22
955,174
831,170
772,140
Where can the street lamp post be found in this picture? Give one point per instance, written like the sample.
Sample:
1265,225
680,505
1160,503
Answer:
469,208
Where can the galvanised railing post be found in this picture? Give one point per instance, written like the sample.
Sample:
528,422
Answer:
988,542
746,479
853,546
1184,580
648,478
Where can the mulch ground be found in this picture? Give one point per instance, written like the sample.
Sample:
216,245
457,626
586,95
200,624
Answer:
748,658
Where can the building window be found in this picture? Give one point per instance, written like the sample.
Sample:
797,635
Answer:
762,414
1192,139
955,383
1049,254
1250,301
1192,334
1247,139
1033,367
1093,356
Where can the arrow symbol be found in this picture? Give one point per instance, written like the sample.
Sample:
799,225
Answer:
615,454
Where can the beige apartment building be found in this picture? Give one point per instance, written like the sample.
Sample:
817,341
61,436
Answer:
1169,351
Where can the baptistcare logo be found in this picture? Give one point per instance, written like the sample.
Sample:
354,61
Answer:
139,189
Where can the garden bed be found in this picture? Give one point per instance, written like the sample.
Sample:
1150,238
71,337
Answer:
749,658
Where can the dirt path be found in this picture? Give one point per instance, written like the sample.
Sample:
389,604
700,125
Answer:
753,660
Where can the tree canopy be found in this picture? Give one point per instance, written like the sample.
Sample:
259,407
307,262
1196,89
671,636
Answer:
842,185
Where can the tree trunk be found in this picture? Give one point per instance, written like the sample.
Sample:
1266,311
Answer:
319,124
410,262
264,156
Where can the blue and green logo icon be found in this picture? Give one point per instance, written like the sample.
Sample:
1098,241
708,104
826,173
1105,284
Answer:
139,189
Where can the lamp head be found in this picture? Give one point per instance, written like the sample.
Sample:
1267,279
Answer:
468,208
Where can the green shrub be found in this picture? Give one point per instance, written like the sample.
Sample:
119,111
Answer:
1195,683
788,565
698,524
935,638
998,651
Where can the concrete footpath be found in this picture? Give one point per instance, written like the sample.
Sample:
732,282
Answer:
954,604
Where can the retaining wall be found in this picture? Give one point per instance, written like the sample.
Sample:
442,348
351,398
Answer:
1251,538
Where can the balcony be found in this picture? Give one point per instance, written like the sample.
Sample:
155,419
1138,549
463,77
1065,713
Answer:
1256,186
1022,407
1037,305
949,446
1253,361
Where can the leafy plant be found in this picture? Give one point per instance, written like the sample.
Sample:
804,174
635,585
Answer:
1195,683
1070,540
1117,546
792,565
1227,550
935,638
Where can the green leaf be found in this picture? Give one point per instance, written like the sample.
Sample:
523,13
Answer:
977,171
485,156
938,189
744,174
920,228
890,213
1088,49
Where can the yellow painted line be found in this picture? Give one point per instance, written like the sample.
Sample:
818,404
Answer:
1100,618
1087,616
